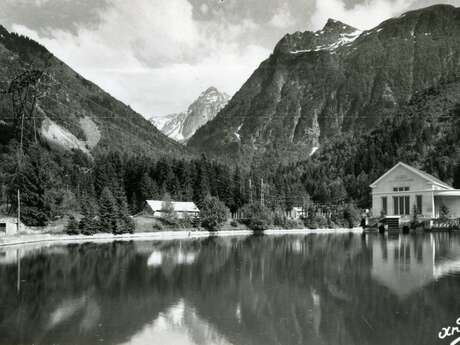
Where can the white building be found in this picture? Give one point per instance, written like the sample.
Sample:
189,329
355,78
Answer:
403,187
9,226
182,209
295,213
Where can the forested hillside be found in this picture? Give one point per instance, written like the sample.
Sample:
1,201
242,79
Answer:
72,112
54,124
425,133
335,82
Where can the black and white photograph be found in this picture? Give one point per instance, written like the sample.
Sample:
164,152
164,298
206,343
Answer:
230,172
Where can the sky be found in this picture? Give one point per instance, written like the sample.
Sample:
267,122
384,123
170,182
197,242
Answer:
158,55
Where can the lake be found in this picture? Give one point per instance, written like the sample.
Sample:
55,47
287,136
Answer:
315,289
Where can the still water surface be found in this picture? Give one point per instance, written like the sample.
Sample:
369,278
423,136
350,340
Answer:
315,289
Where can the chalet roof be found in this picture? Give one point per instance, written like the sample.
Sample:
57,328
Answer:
416,171
179,206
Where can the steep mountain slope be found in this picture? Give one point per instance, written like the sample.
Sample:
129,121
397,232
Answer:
75,113
319,85
425,133
182,126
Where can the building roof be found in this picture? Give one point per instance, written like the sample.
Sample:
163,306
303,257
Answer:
416,171
8,220
449,192
179,206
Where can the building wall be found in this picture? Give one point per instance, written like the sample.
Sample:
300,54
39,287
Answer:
180,215
402,177
10,228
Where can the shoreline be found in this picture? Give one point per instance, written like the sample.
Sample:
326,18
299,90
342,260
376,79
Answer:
63,239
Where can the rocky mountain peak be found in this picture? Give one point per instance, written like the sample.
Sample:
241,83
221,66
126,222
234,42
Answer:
333,35
182,126
211,89
337,26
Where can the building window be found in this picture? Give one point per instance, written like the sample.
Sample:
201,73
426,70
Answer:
384,205
401,205
401,189
407,204
419,204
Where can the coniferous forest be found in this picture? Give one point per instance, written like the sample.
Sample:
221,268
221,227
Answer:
114,185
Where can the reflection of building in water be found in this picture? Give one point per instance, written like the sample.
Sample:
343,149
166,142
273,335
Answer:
174,257
162,254
407,264
8,256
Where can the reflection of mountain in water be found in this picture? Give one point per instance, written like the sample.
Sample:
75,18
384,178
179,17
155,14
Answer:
178,324
259,290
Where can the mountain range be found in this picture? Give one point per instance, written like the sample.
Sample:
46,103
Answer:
318,86
74,113
182,126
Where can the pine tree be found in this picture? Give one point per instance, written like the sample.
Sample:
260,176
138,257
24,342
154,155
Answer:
33,180
124,224
88,224
72,227
108,212
201,184
147,188
237,192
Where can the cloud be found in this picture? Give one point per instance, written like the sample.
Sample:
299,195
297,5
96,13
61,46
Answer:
45,15
282,18
154,56
159,55
362,15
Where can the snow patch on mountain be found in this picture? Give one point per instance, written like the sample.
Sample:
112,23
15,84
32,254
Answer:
313,150
237,133
344,39
171,125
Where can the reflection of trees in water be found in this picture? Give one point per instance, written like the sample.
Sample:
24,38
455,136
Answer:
271,291
258,290
108,281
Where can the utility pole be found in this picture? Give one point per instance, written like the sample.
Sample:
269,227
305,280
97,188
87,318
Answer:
18,282
19,211
250,191
262,196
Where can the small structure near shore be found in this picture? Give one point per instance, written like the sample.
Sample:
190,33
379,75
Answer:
405,193
296,213
9,226
182,209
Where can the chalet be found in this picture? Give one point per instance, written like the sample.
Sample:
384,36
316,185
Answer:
404,190
182,209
